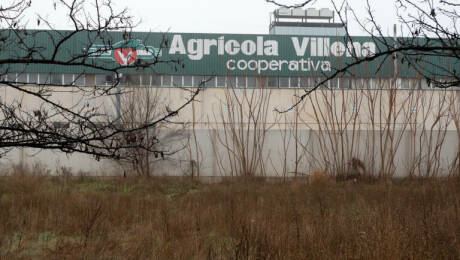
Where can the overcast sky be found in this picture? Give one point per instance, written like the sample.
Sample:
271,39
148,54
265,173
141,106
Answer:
211,16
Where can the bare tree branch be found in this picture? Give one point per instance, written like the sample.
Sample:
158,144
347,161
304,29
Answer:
432,34
80,127
299,5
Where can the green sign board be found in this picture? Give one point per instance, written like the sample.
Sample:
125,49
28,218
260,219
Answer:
214,54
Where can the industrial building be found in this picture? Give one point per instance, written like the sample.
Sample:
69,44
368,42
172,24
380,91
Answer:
303,47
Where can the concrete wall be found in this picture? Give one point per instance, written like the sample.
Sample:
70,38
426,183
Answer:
410,131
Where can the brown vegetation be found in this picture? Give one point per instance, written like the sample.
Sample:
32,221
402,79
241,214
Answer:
139,218
319,177
371,133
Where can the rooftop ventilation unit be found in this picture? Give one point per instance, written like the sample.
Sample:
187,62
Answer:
298,12
312,12
284,12
326,13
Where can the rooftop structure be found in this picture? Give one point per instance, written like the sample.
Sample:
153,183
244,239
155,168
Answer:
311,21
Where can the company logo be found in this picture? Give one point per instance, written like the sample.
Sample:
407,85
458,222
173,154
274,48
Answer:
124,53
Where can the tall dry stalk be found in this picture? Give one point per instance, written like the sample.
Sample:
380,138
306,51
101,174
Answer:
291,135
287,138
455,114
194,149
241,128
383,131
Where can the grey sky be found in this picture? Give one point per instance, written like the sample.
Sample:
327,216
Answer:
211,16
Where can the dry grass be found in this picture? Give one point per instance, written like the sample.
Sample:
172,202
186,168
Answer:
137,218
319,177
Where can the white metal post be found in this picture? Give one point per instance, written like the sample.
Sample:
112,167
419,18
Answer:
118,98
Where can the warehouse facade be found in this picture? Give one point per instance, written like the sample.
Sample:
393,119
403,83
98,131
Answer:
246,74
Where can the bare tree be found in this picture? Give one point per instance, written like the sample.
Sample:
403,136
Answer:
49,123
142,105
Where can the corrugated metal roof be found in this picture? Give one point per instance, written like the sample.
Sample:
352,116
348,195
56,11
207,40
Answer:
202,54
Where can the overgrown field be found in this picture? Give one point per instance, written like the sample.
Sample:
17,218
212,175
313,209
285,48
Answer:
136,218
